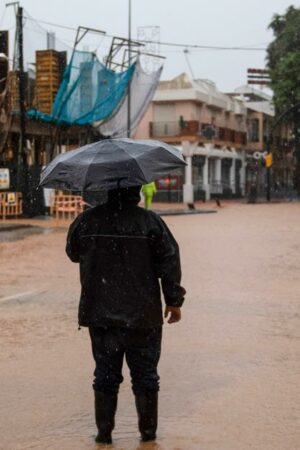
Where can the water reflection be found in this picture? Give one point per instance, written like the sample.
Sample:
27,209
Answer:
21,233
77,443
131,446
149,446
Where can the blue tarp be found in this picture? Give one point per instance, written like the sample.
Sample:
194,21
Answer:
89,92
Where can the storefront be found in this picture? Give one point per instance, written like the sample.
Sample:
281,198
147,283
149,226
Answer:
213,172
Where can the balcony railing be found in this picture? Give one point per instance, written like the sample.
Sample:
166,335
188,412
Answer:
164,129
189,127
194,128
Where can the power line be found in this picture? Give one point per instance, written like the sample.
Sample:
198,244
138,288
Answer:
65,27
167,44
205,47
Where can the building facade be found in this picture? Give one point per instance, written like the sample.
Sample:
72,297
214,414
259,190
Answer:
211,130
260,115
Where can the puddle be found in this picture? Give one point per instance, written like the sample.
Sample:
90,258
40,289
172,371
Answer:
22,232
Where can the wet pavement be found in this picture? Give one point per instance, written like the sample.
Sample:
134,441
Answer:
229,370
15,233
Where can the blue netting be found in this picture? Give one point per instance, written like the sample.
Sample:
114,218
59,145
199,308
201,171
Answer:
89,92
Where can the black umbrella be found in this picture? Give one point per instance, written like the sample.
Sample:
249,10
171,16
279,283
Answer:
110,164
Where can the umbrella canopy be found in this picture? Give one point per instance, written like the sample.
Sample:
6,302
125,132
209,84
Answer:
111,163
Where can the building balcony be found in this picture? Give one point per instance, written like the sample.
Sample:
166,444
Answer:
196,131
189,127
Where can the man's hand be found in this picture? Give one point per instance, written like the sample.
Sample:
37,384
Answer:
174,314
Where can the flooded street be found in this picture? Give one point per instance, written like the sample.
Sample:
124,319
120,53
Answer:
230,370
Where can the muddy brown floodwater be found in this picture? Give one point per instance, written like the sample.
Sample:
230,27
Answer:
230,370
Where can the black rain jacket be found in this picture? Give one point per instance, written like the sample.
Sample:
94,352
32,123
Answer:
123,251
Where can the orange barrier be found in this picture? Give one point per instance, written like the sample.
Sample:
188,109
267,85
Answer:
10,204
66,207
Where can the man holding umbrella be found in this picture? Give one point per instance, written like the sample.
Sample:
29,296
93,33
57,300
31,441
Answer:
123,251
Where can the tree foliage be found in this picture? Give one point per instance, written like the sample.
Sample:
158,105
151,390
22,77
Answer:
283,59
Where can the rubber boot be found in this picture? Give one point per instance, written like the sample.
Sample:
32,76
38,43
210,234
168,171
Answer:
105,410
146,406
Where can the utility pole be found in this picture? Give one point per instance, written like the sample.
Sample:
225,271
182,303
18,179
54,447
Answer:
297,147
129,84
268,167
22,165
22,156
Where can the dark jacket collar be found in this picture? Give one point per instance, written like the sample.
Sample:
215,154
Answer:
124,196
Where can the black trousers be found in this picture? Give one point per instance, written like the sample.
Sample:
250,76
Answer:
141,347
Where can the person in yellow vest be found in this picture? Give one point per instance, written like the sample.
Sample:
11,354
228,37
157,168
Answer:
149,190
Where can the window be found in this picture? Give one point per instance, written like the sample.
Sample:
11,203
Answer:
253,130
164,112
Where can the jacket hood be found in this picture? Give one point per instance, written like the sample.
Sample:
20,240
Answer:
129,195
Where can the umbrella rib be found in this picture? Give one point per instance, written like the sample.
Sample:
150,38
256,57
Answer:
140,169
86,173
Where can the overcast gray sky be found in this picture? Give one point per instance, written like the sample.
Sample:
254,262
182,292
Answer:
203,22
